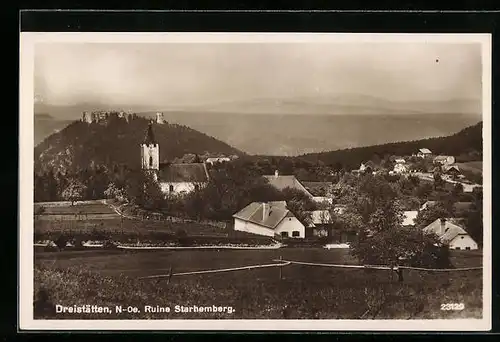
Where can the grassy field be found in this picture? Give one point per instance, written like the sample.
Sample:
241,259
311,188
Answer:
111,278
88,208
475,166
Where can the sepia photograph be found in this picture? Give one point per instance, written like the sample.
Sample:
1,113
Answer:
255,181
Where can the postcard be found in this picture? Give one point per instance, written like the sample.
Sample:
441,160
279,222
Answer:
255,181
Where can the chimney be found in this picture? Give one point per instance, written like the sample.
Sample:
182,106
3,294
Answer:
276,174
265,211
442,226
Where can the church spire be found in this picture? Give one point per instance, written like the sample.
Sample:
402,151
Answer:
150,137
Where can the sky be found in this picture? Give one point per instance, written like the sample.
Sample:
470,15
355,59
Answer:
196,74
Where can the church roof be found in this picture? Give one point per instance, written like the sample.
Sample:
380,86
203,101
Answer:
149,138
176,173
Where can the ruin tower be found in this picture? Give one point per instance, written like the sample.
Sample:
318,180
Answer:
150,152
86,117
159,118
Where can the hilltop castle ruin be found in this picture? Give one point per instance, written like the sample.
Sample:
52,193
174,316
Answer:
103,116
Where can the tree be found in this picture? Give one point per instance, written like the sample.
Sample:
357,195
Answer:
74,191
113,192
431,214
438,180
474,219
385,242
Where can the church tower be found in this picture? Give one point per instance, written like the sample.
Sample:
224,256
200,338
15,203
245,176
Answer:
150,151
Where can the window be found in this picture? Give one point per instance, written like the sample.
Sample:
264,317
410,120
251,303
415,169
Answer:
150,161
295,233
467,248
284,234
457,248
170,188
196,187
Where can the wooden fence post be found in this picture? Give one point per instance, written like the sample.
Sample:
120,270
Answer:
399,271
169,275
281,268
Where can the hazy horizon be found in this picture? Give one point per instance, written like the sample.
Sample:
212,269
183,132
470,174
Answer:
205,75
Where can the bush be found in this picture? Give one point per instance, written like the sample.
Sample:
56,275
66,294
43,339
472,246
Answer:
61,241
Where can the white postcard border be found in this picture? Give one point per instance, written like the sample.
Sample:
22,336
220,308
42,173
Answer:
28,40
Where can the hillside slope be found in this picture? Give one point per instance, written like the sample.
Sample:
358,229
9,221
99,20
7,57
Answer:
80,145
468,141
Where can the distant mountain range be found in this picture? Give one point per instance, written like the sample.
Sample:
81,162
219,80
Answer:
345,104
320,123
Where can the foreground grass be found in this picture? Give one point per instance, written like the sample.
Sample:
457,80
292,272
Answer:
110,279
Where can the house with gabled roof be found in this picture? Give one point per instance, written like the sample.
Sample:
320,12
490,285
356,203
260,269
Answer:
444,160
269,219
282,182
174,179
451,233
424,152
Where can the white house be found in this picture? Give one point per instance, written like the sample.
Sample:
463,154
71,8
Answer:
319,222
213,161
444,160
175,179
424,152
409,217
451,234
182,179
428,204
269,219
400,168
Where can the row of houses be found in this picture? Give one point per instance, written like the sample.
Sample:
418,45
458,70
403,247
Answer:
444,164
274,219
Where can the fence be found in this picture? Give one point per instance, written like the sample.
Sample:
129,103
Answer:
281,263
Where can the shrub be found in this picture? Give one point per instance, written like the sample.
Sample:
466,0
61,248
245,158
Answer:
61,241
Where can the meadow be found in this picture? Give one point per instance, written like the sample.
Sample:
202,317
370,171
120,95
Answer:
474,166
112,277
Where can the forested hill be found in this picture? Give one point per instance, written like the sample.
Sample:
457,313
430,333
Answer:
80,145
466,144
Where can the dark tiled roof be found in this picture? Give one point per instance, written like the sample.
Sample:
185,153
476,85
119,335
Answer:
254,212
282,182
451,229
318,188
149,138
174,173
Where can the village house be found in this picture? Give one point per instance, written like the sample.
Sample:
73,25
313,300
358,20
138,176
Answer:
444,160
424,153
409,217
400,168
213,161
319,223
269,219
451,234
451,170
428,204
282,182
174,179
321,191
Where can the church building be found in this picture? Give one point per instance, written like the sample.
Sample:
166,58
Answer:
174,179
